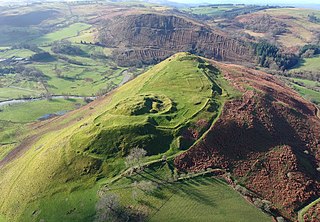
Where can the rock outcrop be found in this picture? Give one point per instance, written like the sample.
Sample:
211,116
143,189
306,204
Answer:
149,38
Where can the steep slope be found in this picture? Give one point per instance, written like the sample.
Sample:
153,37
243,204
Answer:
190,115
149,38
268,140
164,110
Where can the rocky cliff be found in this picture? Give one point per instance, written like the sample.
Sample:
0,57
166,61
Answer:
152,37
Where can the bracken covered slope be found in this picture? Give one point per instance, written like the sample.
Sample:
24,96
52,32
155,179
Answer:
151,37
268,140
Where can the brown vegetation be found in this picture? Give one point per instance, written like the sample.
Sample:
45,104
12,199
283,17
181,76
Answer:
268,139
149,38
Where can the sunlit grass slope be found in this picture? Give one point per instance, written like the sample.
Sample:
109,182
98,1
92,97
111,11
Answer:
163,110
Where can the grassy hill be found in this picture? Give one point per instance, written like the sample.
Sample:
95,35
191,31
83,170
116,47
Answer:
63,162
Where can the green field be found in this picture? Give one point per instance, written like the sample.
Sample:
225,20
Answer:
309,64
31,111
306,88
209,10
78,75
309,94
83,80
65,33
193,199
15,93
23,53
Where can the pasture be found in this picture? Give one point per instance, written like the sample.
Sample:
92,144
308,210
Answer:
31,111
71,31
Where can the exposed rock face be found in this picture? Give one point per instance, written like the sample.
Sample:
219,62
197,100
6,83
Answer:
262,138
153,37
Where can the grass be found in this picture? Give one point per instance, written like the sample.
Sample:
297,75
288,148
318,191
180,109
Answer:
7,93
309,94
9,132
65,33
31,111
199,198
78,79
309,64
194,199
5,149
87,35
77,206
22,53
209,10
71,153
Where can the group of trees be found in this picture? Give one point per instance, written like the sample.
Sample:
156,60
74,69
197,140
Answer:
309,51
65,47
42,57
270,56
31,47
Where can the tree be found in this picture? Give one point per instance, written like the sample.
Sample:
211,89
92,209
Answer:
135,157
108,208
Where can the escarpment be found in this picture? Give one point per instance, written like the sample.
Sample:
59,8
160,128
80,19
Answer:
149,38
268,140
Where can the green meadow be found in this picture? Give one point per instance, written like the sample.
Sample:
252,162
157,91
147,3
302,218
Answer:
309,64
31,111
64,33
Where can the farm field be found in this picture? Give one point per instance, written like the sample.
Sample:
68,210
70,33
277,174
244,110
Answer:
192,200
65,33
7,93
209,10
22,53
31,111
309,64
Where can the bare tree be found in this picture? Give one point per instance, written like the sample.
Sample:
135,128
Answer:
108,208
135,157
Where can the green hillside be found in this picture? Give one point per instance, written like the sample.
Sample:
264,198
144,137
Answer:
65,162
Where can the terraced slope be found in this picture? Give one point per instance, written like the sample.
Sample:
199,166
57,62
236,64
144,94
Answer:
164,110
